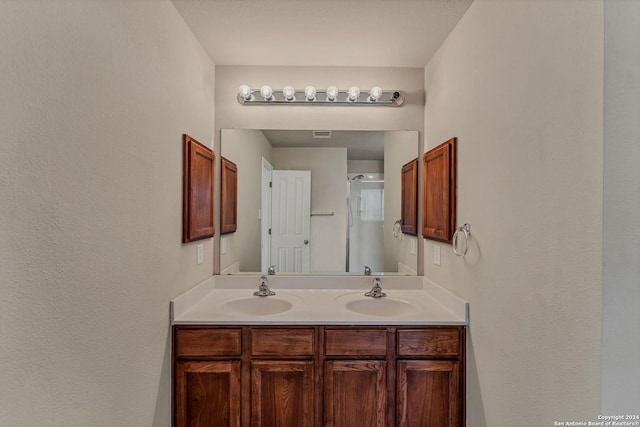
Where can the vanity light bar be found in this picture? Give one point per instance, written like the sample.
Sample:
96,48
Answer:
311,96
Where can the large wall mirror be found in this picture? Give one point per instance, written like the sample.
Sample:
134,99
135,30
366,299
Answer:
319,202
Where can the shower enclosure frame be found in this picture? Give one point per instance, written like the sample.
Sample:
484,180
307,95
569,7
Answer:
359,177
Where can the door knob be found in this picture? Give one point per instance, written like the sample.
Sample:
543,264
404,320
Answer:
306,242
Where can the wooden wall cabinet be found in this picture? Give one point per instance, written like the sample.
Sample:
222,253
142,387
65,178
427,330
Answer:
197,204
439,192
228,196
318,376
409,192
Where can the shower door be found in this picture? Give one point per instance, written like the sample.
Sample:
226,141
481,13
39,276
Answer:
365,221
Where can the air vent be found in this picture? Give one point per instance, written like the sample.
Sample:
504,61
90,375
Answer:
321,134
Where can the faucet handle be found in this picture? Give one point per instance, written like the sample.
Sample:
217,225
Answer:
376,289
263,288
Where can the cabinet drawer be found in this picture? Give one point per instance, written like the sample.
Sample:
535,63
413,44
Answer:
282,342
363,342
208,342
428,342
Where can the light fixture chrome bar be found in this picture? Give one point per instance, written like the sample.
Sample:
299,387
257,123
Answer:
388,98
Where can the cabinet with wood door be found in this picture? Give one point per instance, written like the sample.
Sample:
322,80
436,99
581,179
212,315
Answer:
356,372
318,376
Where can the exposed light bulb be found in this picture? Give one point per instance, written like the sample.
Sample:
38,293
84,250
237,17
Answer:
332,93
375,93
244,92
310,93
267,93
289,93
353,94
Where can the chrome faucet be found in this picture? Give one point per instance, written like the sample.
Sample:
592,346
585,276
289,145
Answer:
271,271
376,290
367,270
263,288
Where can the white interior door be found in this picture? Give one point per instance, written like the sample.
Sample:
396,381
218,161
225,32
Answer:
265,216
290,220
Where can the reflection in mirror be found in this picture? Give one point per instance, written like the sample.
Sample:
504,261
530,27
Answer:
318,205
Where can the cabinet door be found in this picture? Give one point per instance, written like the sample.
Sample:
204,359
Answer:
228,196
207,394
409,192
429,393
439,192
355,393
197,200
282,394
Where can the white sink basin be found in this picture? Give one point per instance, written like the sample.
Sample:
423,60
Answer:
383,307
257,306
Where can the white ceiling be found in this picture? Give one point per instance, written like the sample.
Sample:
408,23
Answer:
360,145
374,33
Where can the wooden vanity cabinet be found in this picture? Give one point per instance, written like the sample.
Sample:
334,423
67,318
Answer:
207,394
244,376
428,393
282,384
318,376
355,393
356,372
282,393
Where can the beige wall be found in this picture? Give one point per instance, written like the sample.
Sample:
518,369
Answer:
362,166
245,148
621,251
328,168
328,234
520,84
230,114
95,98
399,148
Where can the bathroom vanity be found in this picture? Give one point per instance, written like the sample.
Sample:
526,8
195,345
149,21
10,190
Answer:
314,356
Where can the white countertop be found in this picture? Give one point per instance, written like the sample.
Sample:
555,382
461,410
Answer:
320,300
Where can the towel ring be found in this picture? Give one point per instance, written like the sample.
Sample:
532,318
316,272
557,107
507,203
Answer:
466,230
396,228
